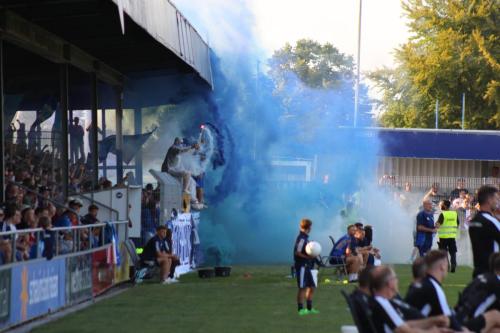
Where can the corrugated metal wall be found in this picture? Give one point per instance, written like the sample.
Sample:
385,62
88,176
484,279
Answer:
431,167
422,173
168,26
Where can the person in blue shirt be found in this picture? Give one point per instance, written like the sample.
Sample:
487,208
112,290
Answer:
47,242
343,252
303,265
425,228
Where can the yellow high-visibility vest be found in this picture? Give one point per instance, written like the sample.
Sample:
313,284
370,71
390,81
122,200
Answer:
450,225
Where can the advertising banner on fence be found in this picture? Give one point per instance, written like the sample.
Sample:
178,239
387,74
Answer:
78,278
102,272
181,237
38,289
4,296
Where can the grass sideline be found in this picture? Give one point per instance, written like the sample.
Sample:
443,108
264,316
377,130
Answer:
254,299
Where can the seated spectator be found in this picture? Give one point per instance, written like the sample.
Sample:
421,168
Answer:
362,246
158,251
388,315
11,220
91,217
361,299
460,188
342,252
28,219
23,247
40,211
419,271
5,251
69,217
479,304
47,242
66,243
429,296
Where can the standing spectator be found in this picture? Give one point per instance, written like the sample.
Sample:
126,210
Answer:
32,137
460,187
9,135
495,172
21,136
434,196
484,229
76,134
447,225
148,214
425,228
91,136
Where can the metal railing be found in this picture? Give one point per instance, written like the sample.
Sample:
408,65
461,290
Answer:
446,184
52,201
68,240
92,200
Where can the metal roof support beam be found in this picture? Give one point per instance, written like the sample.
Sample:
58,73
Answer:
30,36
63,108
119,134
3,128
93,131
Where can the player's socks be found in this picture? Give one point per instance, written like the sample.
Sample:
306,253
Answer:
309,305
300,306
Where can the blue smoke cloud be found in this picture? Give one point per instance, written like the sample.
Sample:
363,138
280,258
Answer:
251,217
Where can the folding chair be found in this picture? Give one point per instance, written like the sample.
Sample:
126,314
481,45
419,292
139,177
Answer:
143,270
360,312
337,264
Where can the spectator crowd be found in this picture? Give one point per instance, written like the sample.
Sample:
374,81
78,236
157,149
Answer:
34,197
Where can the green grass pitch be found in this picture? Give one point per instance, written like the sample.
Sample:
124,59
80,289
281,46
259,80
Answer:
254,299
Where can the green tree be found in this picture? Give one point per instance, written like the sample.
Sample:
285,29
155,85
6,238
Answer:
314,83
453,49
316,65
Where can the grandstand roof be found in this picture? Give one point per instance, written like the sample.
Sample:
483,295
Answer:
157,41
440,143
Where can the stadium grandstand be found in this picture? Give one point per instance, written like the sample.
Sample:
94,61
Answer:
65,68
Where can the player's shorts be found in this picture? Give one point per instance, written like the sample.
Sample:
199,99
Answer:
476,324
304,277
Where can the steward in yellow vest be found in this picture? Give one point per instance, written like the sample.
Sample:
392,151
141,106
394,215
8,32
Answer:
447,225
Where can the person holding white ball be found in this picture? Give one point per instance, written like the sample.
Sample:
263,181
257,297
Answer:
304,263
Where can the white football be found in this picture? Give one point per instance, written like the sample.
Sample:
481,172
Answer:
313,249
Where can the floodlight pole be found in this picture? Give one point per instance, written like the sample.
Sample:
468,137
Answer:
437,113
358,65
463,111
